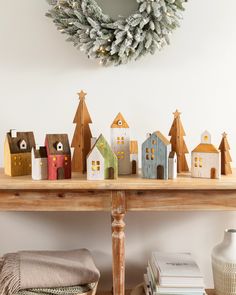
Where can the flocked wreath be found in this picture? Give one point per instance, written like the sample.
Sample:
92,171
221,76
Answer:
116,42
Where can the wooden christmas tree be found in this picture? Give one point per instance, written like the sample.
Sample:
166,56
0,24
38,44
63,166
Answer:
225,155
178,144
81,141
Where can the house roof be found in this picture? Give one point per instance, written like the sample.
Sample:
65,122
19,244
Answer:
53,139
40,153
205,148
172,154
120,118
104,148
14,142
133,146
162,137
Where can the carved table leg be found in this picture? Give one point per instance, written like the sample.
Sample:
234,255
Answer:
118,242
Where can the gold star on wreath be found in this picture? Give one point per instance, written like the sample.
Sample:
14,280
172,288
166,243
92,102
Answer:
82,95
176,114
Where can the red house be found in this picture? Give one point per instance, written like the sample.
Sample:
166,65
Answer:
59,156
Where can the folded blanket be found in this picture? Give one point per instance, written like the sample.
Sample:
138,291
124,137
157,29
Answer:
46,269
89,289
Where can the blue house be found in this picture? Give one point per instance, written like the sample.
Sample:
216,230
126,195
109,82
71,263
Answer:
155,154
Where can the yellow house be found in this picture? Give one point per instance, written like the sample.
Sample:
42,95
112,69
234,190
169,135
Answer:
17,153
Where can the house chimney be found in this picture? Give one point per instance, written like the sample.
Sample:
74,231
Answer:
148,135
93,140
13,133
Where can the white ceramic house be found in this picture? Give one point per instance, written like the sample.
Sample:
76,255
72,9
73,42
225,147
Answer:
205,159
120,144
101,161
39,163
172,165
95,165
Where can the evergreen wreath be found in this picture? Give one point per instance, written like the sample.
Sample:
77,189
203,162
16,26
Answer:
116,42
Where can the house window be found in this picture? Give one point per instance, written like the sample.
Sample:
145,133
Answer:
154,142
23,145
66,158
120,140
120,155
41,163
54,159
205,138
95,165
198,162
59,146
150,154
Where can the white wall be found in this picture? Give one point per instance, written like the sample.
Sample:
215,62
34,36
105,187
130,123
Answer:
40,74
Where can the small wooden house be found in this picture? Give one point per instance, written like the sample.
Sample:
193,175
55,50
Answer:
59,156
39,163
172,165
102,163
155,154
120,143
134,156
205,159
17,153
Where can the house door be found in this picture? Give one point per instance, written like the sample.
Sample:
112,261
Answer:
111,173
134,167
60,173
160,172
213,173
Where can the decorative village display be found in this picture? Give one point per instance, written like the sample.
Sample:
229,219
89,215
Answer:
102,163
206,159
121,146
81,141
134,156
59,156
156,152
39,163
161,158
178,145
17,153
225,156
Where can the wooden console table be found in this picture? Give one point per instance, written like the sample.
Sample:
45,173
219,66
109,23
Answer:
117,196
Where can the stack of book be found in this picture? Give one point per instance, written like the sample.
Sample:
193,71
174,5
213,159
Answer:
173,274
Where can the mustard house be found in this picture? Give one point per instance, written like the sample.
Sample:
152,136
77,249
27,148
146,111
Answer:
17,153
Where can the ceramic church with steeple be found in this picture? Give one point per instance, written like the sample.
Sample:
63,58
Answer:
120,144
205,159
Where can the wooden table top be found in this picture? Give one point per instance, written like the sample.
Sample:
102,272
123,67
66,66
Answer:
79,182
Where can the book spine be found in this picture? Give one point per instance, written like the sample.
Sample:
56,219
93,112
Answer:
155,269
152,281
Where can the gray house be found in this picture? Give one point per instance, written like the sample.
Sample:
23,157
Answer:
155,153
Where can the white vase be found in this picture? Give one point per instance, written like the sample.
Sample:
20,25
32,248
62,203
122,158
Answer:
224,264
